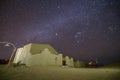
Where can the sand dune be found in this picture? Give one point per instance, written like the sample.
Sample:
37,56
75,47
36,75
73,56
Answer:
57,73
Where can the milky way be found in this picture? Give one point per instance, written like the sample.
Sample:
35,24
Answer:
83,29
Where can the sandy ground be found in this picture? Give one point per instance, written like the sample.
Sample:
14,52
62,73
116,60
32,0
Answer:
58,73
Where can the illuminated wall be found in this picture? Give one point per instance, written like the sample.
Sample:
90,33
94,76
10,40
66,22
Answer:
47,58
18,56
37,54
69,61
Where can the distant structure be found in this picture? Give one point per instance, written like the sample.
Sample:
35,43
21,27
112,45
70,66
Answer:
91,64
78,64
68,61
38,54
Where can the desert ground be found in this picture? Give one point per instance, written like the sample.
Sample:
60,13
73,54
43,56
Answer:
57,73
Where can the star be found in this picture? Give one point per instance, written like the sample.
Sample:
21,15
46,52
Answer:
110,28
78,41
77,35
56,34
58,7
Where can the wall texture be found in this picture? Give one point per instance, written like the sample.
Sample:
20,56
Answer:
18,55
69,61
37,54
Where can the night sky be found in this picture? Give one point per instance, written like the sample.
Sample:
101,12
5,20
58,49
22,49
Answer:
84,29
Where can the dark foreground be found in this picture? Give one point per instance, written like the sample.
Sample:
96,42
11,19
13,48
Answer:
58,73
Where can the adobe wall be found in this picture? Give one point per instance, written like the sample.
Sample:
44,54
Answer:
18,55
46,58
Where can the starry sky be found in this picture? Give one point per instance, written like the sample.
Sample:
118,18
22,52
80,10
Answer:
84,29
